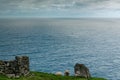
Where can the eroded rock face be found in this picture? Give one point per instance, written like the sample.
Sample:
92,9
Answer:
81,70
17,67
22,65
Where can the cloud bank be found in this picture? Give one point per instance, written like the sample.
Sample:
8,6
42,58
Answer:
60,8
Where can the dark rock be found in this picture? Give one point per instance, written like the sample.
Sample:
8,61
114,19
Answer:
82,71
2,67
15,68
23,65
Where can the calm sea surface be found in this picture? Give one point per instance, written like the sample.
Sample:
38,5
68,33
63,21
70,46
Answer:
57,44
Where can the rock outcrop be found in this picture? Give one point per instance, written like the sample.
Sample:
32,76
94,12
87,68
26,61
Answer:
15,68
82,71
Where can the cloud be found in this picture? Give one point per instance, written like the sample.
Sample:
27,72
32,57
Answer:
68,6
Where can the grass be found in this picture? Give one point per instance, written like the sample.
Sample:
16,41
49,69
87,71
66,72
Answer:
46,76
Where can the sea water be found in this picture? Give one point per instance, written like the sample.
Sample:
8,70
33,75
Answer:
58,44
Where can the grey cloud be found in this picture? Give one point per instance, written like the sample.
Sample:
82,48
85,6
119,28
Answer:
12,4
15,4
7,6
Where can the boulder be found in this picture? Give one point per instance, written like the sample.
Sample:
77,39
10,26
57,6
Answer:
81,71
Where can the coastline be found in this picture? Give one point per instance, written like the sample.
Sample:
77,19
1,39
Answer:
46,76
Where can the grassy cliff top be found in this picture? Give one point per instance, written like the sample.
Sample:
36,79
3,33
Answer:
46,76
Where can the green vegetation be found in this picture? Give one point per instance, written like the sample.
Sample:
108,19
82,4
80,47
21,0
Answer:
46,76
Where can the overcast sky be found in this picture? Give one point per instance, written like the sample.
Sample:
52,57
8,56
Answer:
60,8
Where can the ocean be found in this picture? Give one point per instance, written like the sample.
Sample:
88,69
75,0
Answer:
58,44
